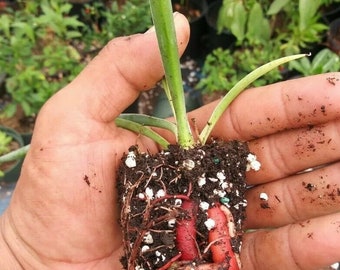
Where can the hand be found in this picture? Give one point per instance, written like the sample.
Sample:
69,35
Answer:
63,212
291,126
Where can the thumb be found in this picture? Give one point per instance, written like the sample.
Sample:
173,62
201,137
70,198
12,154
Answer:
125,66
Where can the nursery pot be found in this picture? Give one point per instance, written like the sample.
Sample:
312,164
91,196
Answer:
198,25
214,39
12,170
333,36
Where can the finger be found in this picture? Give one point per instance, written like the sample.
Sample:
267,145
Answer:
112,81
294,199
273,108
289,120
289,152
309,245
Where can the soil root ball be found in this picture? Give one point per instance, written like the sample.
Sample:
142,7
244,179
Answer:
165,200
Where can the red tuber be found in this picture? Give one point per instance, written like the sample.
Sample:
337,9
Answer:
219,237
186,232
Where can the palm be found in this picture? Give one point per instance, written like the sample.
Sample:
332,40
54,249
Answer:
82,211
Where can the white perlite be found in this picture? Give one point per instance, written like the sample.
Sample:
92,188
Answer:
148,239
204,206
149,193
145,248
335,266
160,193
171,223
210,224
221,176
130,160
264,196
253,163
201,181
141,196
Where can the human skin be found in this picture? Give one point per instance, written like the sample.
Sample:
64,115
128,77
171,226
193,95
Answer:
63,213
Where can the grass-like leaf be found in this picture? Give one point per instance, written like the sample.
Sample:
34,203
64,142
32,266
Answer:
238,88
141,129
147,120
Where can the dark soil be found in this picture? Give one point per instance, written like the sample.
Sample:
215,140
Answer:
152,189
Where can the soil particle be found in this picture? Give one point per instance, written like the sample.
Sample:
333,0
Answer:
332,80
207,175
86,179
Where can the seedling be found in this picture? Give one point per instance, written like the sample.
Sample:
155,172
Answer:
188,184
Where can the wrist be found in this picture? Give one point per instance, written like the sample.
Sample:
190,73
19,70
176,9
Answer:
8,258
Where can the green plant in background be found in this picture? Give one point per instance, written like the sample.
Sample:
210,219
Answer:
37,55
264,30
223,68
324,61
107,22
296,24
43,46
5,141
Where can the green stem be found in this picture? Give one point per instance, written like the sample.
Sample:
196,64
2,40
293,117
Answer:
161,11
146,131
14,155
147,120
238,88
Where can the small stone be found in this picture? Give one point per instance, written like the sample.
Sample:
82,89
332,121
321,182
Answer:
189,164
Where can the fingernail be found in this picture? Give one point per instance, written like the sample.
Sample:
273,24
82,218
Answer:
175,14
151,30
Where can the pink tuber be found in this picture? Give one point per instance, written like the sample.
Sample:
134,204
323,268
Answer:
219,237
186,232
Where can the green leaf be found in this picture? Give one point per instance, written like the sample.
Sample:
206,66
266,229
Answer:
258,26
277,6
238,88
307,11
238,25
147,120
303,66
10,109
